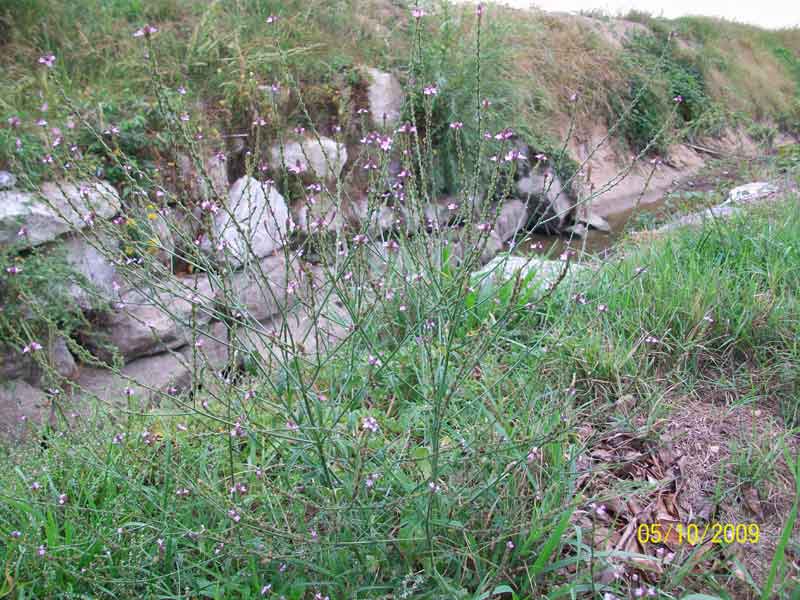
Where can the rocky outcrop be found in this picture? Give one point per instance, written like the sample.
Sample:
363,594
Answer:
255,223
31,219
385,96
89,260
323,158
506,267
21,403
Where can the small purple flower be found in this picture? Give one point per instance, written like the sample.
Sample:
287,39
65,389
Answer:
41,550
32,347
62,499
678,99
480,9
483,227
272,19
430,90
456,125
235,516
266,589
510,545
48,60
602,308
374,361
370,424
145,31
13,270
14,122
182,492
651,339
292,426
16,534
417,12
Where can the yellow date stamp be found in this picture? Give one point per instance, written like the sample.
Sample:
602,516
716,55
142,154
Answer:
694,534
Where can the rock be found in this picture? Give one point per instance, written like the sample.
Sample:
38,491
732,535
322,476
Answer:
578,230
151,320
324,159
548,203
591,219
90,261
7,180
15,365
385,96
146,381
505,267
261,214
751,191
55,210
512,217
21,402
261,291
206,181
318,218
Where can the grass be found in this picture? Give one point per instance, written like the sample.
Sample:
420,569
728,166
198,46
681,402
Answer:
364,523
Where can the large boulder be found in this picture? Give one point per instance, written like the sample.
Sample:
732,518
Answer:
57,208
261,291
7,180
205,179
90,260
751,191
505,267
254,224
548,202
323,157
16,365
21,402
385,95
151,320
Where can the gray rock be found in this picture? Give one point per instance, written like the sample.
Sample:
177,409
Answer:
505,267
548,202
89,259
7,180
15,365
21,402
751,191
56,209
511,218
260,212
385,96
205,181
151,320
324,159
260,291
591,219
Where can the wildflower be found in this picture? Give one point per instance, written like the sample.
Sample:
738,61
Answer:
14,122
505,134
32,347
292,426
374,361
708,319
513,155
182,492
145,31
238,488
484,227
360,239
579,298
259,122
272,19
62,499
602,308
651,339
486,103
370,165
678,99
480,9
266,589
417,12
13,270
573,97
640,270
406,128
540,157
128,391
48,60
36,486
16,534
282,568
238,430
184,117
434,487
651,592
117,440
402,308
430,90
510,545
182,91
370,424
391,245
638,592
456,125
42,550
181,426
234,515
297,168
314,534
371,479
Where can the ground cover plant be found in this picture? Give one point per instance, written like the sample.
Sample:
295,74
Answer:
404,425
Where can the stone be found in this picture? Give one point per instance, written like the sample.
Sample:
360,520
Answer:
260,212
146,381
324,158
56,209
15,365
262,290
206,181
511,218
89,260
505,267
321,217
7,180
591,219
151,320
578,230
385,95
751,191
21,402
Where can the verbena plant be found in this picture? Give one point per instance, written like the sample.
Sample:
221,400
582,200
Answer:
386,432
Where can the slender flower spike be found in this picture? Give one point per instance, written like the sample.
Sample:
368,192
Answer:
480,9
370,424
48,60
234,515
417,12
